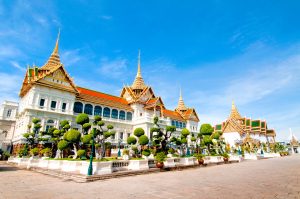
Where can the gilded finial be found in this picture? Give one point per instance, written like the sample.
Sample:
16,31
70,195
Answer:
139,82
55,51
54,60
181,105
139,65
234,112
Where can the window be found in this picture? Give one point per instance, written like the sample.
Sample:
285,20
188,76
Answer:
98,110
121,135
42,103
173,123
53,105
177,124
128,134
106,112
8,114
49,124
141,114
180,125
129,116
114,113
183,124
78,107
113,136
122,115
63,107
88,109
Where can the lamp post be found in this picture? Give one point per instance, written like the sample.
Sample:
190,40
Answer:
90,170
119,150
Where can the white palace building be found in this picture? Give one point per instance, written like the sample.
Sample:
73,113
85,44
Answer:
49,93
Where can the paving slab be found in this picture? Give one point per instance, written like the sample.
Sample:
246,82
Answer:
268,178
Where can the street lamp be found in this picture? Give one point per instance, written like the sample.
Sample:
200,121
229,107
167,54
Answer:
90,170
119,150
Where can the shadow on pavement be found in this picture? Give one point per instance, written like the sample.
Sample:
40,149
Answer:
5,167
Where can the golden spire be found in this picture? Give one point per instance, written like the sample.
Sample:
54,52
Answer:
54,59
181,106
234,112
138,83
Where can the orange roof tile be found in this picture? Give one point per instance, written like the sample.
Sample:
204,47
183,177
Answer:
172,114
102,98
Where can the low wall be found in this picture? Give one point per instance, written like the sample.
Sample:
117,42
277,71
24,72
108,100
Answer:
81,167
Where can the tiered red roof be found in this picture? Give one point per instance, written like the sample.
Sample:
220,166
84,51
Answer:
96,97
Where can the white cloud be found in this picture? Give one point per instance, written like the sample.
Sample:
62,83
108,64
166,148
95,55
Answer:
17,66
106,17
113,68
71,57
9,86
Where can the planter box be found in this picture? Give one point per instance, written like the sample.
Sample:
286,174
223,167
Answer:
71,166
121,165
33,163
138,165
23,162
99,168
43,163
213,159
271,155
169,162
250,156
238,158
187,161
54,164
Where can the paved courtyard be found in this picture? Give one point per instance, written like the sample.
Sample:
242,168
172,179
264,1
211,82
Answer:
272,178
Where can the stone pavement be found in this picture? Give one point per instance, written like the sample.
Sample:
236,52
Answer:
270,178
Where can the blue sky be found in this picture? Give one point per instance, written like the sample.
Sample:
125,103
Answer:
216,51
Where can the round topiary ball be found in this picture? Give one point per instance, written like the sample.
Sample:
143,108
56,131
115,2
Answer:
131,140
82,119
73,136
143,140
63,123
139,132
63,144
185,132
56,133
146,152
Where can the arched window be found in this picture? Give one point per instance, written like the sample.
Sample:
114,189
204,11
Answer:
122,115
88,109
78,107
106,112
114,113
129,116
180,124
49,124
98,110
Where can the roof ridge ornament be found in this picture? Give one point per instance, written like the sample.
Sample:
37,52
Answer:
54,59
138,83
181,106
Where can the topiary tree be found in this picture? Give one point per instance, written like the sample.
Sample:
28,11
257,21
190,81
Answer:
62,145
73,136
101,134
138,132
83,120
161,137
206,131
131,140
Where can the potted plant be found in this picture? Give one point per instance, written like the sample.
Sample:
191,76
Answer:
34,151
125,154
225,157
46,152
160,158
199,157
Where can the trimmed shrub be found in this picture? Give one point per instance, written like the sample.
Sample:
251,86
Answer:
81,153
82,119
86,139
146,152
100,123
56,133
131,140
63,123
46,152
97,118
35,120
125,152
109,126
160,157
206,129
67,127
34,151
143,140
138,132
63,144
73,136
86,126
185,132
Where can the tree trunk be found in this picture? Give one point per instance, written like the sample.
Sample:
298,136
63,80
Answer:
75,152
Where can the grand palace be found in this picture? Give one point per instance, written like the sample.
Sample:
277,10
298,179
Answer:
49,93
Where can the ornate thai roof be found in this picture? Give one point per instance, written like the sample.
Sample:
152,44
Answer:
100,98
54,60
138,83
181,106
234,114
